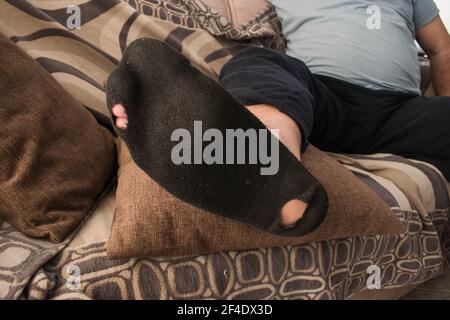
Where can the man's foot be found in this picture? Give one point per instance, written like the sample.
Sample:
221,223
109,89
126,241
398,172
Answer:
290,136
272,118
164,97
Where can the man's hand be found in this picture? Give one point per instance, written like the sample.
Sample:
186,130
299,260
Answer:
435,41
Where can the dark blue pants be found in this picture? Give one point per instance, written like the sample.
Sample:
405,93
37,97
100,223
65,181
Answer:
337,116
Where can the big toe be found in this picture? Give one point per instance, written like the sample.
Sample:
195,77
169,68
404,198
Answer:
292,212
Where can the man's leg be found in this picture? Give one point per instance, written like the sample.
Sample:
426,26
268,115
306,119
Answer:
278,90
419,130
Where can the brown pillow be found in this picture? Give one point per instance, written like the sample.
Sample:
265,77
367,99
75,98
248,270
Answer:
151,222
54,157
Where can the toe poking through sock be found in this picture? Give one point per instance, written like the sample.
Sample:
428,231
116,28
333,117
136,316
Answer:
292,212
120,91
120,116
122,123
119,111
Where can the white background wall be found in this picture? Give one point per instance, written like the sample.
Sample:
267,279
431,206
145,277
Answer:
444,6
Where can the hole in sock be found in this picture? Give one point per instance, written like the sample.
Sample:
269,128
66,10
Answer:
291,213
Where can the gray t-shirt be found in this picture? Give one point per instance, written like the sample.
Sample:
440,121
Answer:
366,42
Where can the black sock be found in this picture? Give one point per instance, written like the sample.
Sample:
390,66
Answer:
162,92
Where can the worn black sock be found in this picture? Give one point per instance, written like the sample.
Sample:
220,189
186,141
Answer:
162,92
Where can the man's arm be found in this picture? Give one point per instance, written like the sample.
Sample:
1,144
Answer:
435,41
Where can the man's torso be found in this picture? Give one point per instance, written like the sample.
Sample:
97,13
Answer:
368,43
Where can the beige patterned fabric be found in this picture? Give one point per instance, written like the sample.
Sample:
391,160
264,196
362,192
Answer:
229,19
320,270
80,61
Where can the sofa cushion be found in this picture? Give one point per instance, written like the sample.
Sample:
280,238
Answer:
55,159
151,222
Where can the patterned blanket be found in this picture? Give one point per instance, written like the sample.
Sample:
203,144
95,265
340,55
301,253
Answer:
78,268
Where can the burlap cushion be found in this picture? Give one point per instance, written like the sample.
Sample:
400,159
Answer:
54,157
151,222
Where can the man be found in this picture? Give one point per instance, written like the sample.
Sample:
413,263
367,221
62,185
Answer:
350,81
